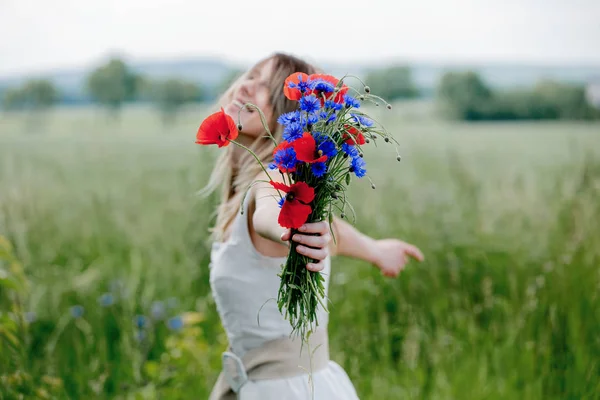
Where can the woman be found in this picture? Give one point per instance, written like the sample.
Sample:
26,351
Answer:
263,362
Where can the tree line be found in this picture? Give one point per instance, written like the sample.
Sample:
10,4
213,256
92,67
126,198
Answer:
463,95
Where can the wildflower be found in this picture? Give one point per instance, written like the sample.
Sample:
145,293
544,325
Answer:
77,311
349,150
351,102
217,128
353,136
364,121
295,209
319,169
306,149
292,132
327,148
175,323
310,104
330,104
139,321
296,85
357,165
339,97
290,118
284,157
106,300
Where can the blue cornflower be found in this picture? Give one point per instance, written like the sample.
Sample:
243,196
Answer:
319,169
310,104
292,132
303,86
357,165
139,321
312,119
324,115
350,150
175,323
351,102
285,158
77,311
106,300
328,148
323,86
290,118
281,201
330,104
364,121
273,166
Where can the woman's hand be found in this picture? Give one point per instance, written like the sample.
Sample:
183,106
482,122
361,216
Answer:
393,255
313,246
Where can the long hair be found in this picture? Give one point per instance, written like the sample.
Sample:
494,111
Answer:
235,177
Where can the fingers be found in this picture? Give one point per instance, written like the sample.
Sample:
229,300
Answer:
316,254
313,241
414,252
285,236
315,227
315,267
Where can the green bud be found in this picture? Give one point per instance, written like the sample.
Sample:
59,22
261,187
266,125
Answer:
239,127
367,89
347,179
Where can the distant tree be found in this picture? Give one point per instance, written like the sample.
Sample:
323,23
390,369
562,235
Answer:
33,95
464,95
113,83
395,82
169,95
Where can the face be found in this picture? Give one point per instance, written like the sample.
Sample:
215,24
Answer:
254,88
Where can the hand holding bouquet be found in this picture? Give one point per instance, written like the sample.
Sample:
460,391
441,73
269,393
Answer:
321,152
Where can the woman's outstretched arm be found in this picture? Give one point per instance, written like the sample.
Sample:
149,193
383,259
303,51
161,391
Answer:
389,255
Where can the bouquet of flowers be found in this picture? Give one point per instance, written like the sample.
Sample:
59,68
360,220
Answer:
321,152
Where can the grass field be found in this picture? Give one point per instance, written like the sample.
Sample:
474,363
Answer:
105,223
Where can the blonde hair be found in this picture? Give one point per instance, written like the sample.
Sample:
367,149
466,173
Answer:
235,177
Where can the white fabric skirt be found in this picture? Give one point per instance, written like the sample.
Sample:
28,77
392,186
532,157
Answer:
330,383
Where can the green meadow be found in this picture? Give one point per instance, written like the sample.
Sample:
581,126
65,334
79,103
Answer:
104,289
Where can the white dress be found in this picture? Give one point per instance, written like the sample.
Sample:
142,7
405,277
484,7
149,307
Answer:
243,281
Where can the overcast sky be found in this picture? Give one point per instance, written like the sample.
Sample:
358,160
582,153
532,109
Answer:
40,35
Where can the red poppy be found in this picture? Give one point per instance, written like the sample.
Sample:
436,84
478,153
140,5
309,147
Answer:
295,209
294,92
339,97
353,136
217,128
306,149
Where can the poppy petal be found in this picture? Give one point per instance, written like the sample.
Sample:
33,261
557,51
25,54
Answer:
305,147
303,192
293,214
218,128
280,186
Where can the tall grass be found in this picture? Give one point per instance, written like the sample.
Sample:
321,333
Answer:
104,222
